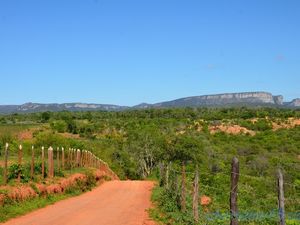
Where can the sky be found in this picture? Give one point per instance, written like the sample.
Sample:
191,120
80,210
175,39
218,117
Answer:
127,52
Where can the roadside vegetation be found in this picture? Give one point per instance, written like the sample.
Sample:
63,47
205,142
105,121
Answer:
18,199
136,142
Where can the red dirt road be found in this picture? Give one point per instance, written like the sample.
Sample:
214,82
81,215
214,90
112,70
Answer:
112,203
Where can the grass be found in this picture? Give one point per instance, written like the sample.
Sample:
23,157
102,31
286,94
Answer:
155,212
166,211
13,208
20,208
14,129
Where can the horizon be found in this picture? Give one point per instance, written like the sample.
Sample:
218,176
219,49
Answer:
99,103
127,53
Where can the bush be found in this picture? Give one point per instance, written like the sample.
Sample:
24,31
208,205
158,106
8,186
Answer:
59,125
49,139
14,170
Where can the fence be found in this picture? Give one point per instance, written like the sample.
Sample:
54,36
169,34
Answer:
235,174
53,162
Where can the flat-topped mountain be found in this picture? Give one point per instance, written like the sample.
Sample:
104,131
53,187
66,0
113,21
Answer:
216,100
246,98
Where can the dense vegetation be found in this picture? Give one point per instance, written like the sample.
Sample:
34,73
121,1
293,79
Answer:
135,142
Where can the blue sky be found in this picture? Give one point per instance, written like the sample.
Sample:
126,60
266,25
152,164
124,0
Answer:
131,51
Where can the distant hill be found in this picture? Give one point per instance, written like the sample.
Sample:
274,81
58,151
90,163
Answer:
220,100
294,103
217,100
54,107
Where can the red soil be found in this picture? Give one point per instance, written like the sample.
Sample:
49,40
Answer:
230,129
24,192
26,134
113,203
290,123
205,200
69,135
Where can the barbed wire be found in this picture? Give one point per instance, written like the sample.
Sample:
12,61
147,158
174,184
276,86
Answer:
209,187
242,175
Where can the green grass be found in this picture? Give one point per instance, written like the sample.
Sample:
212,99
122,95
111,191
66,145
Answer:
13,209
20,208
14,129
156,212
166,211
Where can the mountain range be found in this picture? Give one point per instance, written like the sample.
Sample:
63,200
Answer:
217,100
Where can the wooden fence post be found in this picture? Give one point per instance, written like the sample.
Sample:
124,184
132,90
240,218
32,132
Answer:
5,163
183,188
94,160
67,156
74,157
196,196
84,158
63,158
32,163
71,158
71,155
19,163
235,170
81,157
281,198
78,158
57,159
91,159
50,162
43,162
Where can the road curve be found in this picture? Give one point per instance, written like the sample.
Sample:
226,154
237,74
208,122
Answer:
112,203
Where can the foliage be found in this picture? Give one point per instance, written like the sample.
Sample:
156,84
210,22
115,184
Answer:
259,125
59,125
45,116
14,170
135,142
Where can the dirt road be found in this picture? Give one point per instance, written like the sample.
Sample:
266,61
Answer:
112,203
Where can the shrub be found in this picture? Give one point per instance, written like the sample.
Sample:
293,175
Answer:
14,170
59,125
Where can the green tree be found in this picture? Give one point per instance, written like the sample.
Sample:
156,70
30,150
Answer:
59,126
45,117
